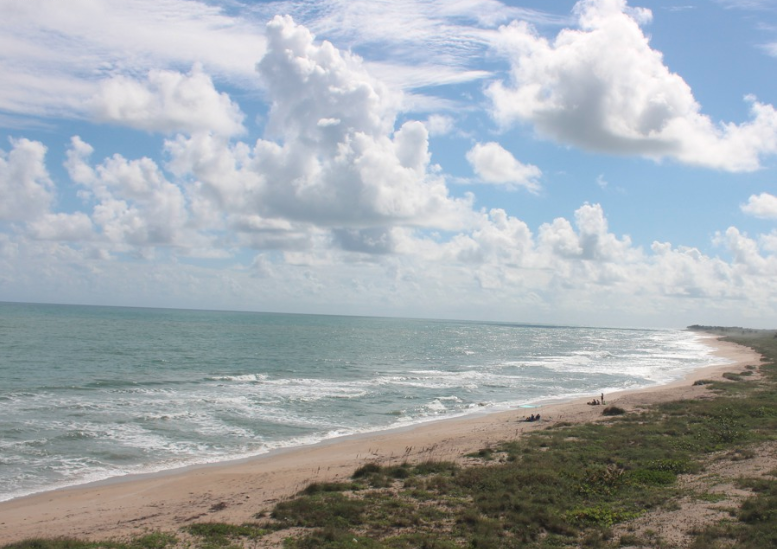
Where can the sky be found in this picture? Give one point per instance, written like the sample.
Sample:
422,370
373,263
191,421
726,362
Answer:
596,163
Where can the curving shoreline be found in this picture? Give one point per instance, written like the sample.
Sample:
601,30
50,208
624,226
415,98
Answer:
234,492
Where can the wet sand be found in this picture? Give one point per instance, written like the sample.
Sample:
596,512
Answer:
236,491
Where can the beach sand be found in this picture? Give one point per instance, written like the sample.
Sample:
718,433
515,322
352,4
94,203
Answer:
236,491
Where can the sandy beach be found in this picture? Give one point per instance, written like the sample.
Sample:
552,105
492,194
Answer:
236,491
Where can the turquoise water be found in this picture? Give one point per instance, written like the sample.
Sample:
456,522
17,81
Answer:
88,393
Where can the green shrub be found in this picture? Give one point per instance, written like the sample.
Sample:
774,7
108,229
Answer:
332,538
320,510
436,467
58,543
221,534
613,411
318,487
652,477
366,470
600,515
676,466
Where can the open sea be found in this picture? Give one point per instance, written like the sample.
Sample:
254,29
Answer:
88,393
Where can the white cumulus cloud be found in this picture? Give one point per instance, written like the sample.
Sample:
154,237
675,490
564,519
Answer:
745,251
133,203
762,205
331,158
592,241
494,164
26,189
168,102
75,227
602,87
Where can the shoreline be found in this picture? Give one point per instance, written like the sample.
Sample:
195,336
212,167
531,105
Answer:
529,406
235,491
474,411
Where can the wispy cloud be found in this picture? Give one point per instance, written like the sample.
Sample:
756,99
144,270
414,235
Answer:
423,43
680,8
748,4
53,54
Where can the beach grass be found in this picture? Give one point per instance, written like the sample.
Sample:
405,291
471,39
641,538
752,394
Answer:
592,485
155,540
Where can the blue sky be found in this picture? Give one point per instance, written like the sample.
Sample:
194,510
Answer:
595,162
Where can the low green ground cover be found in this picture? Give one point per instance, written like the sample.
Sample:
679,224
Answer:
565,486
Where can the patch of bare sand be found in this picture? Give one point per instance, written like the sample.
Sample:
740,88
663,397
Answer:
714,497
236,492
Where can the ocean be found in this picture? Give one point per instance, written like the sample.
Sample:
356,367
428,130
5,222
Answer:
90,393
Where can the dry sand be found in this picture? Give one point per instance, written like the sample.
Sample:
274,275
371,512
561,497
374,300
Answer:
235,492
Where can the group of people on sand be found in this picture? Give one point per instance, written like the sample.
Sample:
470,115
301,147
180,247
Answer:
596,402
